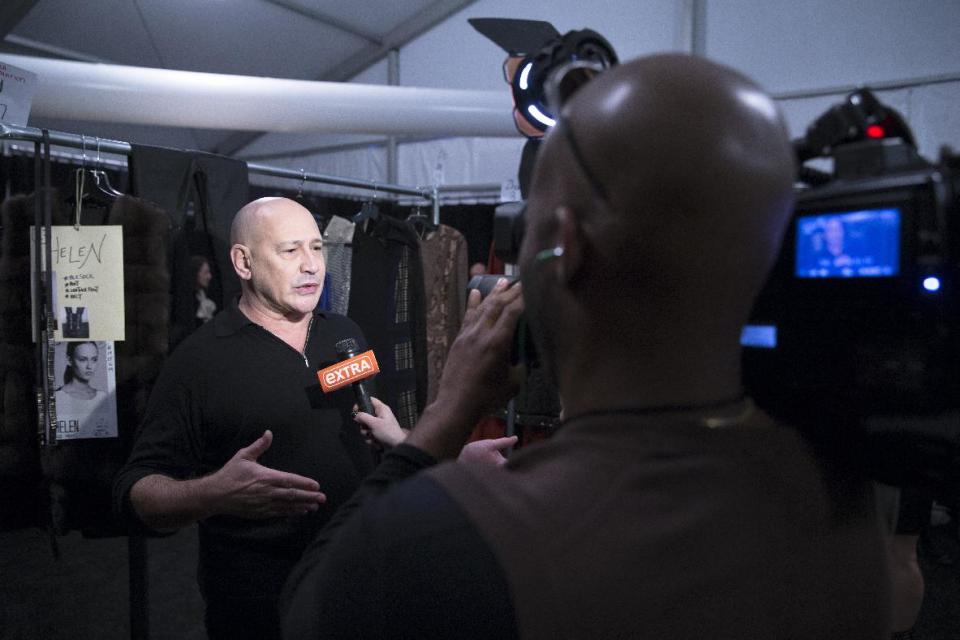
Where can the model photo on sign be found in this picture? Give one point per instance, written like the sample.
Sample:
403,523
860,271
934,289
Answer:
85,399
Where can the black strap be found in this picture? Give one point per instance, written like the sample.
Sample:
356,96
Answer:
48,312
203,204
183,193
38,293
202,185
195,179
595,184
43,296
43,322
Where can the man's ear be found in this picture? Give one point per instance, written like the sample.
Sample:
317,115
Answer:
570,239
240,257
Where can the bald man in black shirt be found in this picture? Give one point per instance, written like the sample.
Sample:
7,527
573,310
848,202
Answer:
238,435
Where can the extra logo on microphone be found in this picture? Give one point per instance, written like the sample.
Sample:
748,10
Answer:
348,371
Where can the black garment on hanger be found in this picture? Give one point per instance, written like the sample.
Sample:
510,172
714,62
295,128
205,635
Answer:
475,222
201,192
387,300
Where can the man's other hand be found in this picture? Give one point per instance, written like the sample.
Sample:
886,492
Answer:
486,452
250,490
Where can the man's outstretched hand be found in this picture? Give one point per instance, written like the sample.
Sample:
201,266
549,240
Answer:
250,490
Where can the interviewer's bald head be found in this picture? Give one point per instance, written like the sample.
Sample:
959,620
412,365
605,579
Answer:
677,170
666,185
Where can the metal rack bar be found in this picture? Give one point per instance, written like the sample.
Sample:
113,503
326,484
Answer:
108,162
886,85
369,185
78,141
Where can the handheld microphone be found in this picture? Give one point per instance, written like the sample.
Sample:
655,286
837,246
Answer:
355,369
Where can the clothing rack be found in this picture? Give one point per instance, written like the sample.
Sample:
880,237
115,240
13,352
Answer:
79,141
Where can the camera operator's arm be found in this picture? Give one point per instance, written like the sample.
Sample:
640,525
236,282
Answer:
477,378
906,513
906,578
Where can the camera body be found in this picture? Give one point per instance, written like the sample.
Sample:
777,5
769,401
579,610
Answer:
523,350
855,337
861,313
509,223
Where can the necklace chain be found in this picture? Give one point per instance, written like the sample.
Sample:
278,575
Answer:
306,339
710,421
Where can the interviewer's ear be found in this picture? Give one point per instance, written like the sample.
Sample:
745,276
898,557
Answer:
240,257
570,240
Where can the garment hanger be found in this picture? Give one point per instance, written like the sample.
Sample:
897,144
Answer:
102,182
368,211
91,187
101,179
303,179
421,223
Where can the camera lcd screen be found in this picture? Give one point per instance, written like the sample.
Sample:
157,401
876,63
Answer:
849,244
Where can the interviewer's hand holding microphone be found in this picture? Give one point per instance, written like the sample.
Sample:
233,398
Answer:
382,427
477,380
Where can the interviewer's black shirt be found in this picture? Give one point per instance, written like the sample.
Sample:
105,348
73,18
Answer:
620,526
219,391
408,564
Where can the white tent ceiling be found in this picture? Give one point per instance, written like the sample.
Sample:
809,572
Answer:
295,39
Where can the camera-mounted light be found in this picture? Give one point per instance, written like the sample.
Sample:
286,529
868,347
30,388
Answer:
861,116
543,67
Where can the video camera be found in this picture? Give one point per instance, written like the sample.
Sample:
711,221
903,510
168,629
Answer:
855,338
856,335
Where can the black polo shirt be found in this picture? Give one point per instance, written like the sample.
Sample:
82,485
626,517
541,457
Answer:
222,387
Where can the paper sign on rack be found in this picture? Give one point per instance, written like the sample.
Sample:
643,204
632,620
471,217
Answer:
17,87
87,280
510,191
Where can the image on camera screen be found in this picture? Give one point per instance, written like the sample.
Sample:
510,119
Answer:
850,244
